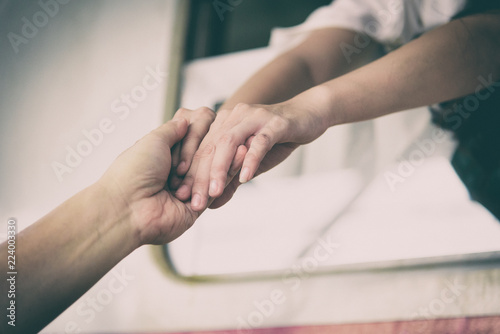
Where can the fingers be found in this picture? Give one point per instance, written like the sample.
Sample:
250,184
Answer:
176,154
174,181
227,194
230,137
221,164
184,191
232,179
199,197
239,157
172,132
259,127
182,155
261,144
211,166
274,131
199,124
199,200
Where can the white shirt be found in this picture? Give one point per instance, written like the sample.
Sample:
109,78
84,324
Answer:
390,22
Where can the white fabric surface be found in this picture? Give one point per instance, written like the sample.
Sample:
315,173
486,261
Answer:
278,218
390,22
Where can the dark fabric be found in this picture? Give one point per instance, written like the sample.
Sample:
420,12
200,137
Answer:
477,158
475,121
478,6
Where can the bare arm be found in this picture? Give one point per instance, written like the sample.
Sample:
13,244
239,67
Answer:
316,60
62,255
440,65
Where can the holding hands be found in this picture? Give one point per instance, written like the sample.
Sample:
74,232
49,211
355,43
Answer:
145,198
269,132
141,181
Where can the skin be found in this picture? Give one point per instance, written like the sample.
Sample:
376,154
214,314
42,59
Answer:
62,255
276,110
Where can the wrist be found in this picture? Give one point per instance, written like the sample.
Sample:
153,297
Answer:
318,101
314,110
114,213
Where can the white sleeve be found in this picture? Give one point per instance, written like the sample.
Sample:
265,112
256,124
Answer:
390,22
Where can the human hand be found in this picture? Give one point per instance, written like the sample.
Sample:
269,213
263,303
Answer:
136,182
183,152
270,132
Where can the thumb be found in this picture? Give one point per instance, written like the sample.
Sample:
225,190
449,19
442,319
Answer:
172,131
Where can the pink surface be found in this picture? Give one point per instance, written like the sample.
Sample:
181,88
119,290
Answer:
466,325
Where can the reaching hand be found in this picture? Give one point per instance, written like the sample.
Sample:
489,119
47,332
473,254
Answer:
270,132
137,179
141,179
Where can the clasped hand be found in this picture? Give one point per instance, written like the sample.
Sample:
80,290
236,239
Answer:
202,159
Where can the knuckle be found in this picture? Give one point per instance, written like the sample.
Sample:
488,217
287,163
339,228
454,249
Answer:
206,112
205,151
226,139
263,139
279,124
200,186
260,111
221,113
252,156
218,173
241,107
181,112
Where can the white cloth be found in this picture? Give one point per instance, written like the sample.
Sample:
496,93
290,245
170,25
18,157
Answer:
390,22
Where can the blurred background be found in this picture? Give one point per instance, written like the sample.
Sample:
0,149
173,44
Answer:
82,81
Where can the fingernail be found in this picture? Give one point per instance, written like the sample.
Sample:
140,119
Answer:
196,201
244,175
181,167
213,188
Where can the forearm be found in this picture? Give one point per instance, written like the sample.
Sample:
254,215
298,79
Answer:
316,60
281,79
441,65
66,252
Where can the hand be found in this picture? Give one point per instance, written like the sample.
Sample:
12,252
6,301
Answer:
183,152
129,206
270,132
135,184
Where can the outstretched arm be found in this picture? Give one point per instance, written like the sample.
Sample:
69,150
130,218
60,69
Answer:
62,255
316,60
440,65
